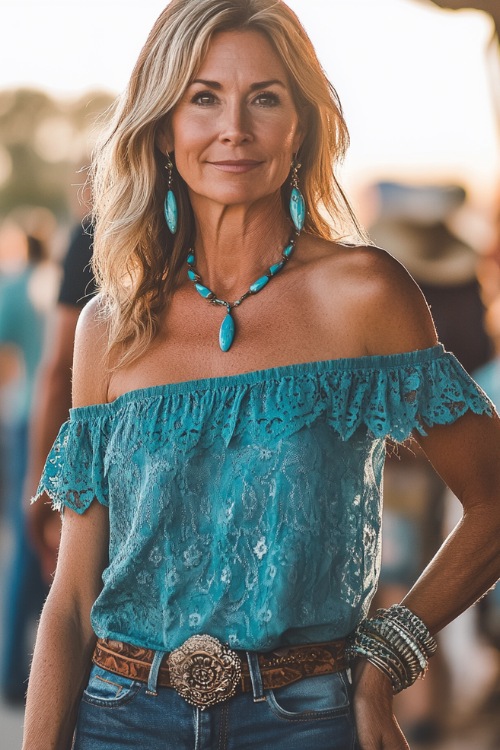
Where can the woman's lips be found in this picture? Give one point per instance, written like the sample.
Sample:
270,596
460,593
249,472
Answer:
236,166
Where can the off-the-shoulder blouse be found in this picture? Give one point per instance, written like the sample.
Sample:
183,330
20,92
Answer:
248,507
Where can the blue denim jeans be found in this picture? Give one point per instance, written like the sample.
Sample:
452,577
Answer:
117,713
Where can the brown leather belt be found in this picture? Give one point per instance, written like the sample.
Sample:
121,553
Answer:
205,672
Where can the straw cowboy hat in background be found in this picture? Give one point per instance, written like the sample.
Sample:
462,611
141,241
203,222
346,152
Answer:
412,225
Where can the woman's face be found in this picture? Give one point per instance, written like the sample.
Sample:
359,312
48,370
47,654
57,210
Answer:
236,128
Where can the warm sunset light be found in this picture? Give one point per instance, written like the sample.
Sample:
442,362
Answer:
412,77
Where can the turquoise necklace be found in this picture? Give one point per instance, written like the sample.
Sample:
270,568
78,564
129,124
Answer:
228,329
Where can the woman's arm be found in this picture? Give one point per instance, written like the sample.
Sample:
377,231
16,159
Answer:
466,454
65,639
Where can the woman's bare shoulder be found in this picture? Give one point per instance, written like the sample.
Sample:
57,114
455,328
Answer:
90,361
386,305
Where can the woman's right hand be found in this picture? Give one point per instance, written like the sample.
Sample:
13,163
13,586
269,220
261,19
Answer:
376,724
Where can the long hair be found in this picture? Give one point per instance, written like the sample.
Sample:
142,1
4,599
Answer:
136,261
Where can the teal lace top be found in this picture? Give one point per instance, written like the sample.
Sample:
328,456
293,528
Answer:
248,507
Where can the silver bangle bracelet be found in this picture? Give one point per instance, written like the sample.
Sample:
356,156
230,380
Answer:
397,642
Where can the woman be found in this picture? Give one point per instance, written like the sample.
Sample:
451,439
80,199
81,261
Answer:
222,497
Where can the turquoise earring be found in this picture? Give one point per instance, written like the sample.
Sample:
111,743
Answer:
297,203
170,205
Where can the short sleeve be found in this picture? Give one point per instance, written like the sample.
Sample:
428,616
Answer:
74,475
409,392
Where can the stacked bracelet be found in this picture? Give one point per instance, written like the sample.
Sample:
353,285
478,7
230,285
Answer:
397,642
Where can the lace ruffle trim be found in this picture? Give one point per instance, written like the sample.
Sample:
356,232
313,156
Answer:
391,395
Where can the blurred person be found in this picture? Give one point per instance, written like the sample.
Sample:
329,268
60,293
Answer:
22,320
53,389
10,373
413,224
12,260
220,475
489,267
488,377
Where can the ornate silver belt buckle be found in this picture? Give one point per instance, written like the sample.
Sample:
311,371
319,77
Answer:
204,671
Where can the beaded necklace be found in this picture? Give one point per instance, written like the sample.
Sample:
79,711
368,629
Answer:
227,330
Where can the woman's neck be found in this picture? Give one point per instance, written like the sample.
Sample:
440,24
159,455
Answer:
235,246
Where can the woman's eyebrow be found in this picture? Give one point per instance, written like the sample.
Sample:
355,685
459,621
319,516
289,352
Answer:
253,87
266,84
208,84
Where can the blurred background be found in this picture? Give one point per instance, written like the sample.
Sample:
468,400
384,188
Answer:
420,84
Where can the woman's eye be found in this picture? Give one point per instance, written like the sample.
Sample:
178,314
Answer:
203,99
267,99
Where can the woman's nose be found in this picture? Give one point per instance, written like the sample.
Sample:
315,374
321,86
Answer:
235,126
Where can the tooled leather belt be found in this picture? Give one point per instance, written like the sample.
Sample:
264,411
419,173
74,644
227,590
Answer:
205,672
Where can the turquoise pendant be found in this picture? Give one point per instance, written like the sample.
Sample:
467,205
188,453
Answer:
297,209
226,333
227,329
171,213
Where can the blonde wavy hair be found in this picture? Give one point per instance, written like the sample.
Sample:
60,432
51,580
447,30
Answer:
136,260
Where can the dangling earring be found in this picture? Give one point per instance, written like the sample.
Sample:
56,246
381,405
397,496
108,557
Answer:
297,203
170,205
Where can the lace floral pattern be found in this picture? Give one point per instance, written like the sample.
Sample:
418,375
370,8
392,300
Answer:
248,507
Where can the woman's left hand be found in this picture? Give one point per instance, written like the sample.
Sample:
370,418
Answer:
376,724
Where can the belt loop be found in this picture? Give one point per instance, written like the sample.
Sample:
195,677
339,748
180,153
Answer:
154,672
255,676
